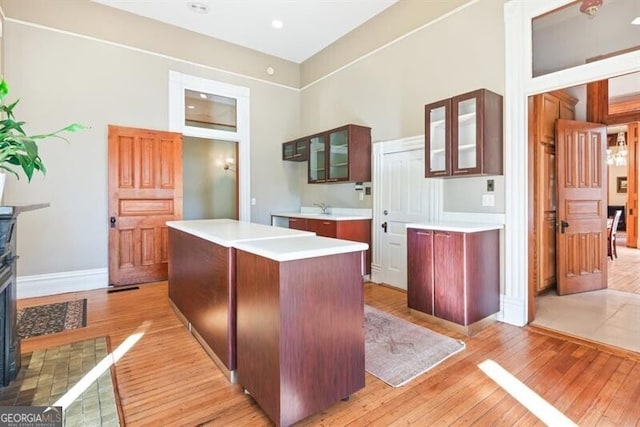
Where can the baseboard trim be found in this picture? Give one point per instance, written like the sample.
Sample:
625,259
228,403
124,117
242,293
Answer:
512,310
58,283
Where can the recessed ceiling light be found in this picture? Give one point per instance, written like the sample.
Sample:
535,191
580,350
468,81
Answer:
277,24
271,71
203,96
197,7
636,21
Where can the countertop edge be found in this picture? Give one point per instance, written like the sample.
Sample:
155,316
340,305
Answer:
329,217
456,226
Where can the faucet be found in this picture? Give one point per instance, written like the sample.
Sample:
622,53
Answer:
323,207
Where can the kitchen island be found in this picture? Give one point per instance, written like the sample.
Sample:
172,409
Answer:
300,323
280,311
202,281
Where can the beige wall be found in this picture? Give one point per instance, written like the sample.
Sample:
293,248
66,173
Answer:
388,90
208,189
615,198
62,78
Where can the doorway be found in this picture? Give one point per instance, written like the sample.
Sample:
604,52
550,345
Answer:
520,82
210,178
215,111
608,316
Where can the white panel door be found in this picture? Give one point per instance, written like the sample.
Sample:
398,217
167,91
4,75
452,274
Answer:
404,192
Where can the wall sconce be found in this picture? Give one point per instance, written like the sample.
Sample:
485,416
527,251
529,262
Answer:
228,163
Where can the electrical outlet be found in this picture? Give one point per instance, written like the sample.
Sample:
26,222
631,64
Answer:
361,195
488,200
367,191
253,201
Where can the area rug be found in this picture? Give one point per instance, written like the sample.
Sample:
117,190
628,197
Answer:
51,318
397,351
46,375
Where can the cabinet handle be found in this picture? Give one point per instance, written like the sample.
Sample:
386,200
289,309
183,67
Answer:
293,220
326,223
461,171
332,180
423,233
447,235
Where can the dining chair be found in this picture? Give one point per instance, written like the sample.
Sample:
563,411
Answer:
611,236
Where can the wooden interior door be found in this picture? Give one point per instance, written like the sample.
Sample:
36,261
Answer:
145,191
633,137
582,200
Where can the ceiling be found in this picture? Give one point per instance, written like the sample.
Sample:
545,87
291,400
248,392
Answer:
308,26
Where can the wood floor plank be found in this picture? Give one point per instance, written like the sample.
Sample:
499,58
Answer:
166,378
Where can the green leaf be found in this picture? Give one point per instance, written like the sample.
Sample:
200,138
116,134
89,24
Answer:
4,89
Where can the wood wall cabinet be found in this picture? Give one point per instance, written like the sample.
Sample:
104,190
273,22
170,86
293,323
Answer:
297,151
453,276
340,155
463,135
547,108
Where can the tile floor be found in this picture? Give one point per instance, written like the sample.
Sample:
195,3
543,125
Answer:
610,316
607,316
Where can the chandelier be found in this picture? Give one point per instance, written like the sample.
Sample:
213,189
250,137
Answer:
617,155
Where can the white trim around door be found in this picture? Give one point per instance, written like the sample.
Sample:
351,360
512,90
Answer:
178,82
519,84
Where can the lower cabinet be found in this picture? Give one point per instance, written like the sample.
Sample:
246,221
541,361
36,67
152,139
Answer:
357,230
453,276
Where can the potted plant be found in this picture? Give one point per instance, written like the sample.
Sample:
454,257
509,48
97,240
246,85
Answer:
17,149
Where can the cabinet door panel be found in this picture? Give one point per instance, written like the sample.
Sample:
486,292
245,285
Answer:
298,223
466,134
448,261
317,159
322,228
339,155
437,139
420,269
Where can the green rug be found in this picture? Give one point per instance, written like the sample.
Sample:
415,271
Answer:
46,375
51,318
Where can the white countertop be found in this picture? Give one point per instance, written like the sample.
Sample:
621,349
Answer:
300,248
333,214
331,217
462,227
228,232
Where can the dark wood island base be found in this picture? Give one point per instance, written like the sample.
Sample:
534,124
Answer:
300,332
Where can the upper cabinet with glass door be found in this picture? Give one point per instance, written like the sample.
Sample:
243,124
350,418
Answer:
340,155
463,135
317,158
297,151
438,138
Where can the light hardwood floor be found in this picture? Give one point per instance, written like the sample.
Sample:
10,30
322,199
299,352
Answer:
167,379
